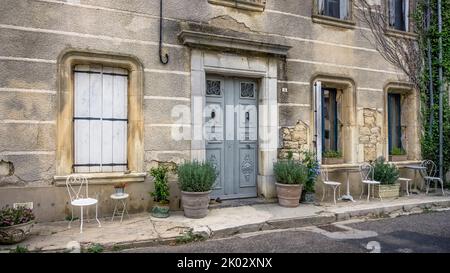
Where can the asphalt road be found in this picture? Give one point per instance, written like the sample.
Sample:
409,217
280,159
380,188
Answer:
429,232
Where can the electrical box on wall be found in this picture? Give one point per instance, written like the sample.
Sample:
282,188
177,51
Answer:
28,205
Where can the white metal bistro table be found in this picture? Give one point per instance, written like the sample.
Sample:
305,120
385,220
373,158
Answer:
120,198
416,168
347,170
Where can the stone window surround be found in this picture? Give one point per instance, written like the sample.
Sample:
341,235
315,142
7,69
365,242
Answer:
405,89
409,34
331,21
228,64
349,129
135,147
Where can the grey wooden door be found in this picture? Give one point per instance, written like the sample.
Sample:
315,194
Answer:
231,122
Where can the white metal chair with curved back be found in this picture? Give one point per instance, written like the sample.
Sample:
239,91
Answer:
326,182
429,175
77,186
367,173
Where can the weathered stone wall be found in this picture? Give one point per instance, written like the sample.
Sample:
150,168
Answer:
35,32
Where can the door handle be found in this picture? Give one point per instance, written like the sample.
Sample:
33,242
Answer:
248,146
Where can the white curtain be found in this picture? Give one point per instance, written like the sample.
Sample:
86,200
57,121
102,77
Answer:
320,6
318,119
391,12
343,6
406,13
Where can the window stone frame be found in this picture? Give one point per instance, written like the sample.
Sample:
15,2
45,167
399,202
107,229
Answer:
241,4
135,143
332,21
349,133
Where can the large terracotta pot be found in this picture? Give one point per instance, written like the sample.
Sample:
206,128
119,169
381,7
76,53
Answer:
195,204
289,194
16,233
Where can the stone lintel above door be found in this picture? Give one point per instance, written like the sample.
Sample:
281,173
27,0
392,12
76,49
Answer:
205,36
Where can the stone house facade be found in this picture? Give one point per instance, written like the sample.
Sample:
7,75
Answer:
264,58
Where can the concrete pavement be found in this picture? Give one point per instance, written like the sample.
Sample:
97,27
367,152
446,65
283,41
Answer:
142,230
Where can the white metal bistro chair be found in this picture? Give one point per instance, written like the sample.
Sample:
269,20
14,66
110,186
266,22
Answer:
429,175
77,186
367,172
326,182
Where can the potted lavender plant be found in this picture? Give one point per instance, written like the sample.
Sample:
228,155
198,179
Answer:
15,224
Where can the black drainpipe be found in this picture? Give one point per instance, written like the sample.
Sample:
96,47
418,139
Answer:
165,59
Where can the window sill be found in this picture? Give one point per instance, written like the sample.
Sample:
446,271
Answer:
335,22
104,178
241,4
401,34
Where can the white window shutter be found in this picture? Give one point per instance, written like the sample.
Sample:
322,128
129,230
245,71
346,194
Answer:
318,118
81,126
391,12
344,10
107,125
95,124
406,13
100,119
320,6
120,102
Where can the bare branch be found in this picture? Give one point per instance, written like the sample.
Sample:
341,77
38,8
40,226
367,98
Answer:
399,50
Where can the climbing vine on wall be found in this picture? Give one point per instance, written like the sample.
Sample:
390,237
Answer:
430,142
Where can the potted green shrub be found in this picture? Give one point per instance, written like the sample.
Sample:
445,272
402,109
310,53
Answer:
387,174
311,163
398,154
196,180
330,157
15,224
161,193
291,176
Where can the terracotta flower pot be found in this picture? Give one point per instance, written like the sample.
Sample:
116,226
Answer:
289,194
160,210
15,234
195,204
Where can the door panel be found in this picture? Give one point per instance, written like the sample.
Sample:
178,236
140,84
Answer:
231,122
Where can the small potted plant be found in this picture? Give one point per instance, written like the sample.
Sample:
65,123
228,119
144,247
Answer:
291,176
120,188
161,193
196,180
331,157
398,154
15,224
387,174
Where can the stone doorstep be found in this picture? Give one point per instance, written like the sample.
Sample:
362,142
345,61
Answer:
324,217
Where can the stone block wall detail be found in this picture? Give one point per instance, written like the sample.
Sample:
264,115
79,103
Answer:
294,139
370,133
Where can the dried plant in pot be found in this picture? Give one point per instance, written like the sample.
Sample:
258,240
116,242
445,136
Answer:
120,188
196,180
291,176
15,224
161,193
